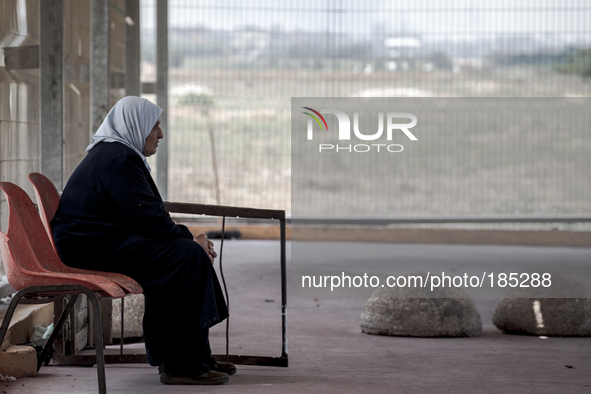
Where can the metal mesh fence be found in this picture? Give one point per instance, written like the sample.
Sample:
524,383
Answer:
234,66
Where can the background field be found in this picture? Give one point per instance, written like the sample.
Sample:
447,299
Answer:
235,68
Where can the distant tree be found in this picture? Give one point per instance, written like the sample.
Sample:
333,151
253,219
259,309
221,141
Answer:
441,60
355,50
578,63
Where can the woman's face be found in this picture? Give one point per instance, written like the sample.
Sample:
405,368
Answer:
152,140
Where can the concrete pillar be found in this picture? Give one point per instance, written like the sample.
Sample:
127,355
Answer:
100,86
132,48
51,90
162,94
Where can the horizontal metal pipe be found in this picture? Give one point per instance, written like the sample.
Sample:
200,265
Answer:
383,221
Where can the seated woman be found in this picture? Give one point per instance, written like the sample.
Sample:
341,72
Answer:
112,218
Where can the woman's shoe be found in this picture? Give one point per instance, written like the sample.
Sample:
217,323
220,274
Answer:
223,366
209,377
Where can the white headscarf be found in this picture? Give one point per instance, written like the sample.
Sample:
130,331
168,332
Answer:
129,122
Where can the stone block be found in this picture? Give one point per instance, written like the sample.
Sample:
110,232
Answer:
18,361
134,314
562,309
24,319
418,312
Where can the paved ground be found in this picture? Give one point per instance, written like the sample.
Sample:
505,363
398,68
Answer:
329,354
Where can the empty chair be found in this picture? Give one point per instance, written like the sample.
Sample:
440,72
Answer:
26,250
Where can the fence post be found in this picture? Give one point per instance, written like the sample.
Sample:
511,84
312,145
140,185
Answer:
100,84
162,94
51,90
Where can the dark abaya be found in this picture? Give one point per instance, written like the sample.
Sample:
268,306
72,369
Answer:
112,218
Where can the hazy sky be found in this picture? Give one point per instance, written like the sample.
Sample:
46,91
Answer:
427,17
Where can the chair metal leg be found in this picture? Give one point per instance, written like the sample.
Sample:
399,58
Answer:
122,325
98,337
56,330
98,332
71,344
10,312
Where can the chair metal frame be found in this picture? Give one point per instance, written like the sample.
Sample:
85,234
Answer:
55,293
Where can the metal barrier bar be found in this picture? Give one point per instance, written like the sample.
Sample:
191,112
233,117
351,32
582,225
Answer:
220,210
384,221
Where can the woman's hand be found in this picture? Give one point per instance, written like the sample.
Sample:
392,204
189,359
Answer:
207,245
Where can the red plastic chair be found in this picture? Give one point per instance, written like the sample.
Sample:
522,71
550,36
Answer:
48,199
24,247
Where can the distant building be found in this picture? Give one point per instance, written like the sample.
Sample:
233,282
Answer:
402,47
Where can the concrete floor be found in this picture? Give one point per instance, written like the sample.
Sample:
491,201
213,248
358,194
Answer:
329,354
